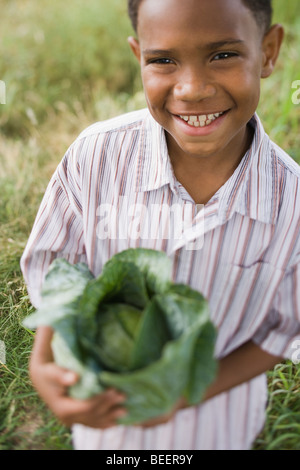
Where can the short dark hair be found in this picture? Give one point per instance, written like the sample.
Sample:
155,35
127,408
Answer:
261,9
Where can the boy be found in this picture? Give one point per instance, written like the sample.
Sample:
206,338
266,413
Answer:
199,142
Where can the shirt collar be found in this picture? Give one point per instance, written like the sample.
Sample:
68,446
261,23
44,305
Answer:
154,168
252,190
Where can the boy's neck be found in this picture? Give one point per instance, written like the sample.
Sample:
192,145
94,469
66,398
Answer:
202,177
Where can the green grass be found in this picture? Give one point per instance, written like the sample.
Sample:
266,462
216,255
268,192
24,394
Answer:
63,71
282,429
280,116
56,54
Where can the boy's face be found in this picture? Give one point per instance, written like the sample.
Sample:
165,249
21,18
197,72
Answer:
201,64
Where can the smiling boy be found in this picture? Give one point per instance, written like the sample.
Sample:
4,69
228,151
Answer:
199,142
201,68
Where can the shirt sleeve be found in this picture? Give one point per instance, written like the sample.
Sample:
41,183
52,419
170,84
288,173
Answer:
280,333
58,227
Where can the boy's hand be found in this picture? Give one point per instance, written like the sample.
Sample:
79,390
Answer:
52,382
164,418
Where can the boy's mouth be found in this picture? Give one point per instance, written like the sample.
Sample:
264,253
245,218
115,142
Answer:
202,120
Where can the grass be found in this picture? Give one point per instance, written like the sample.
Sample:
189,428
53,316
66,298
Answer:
281,117
282,428
53,92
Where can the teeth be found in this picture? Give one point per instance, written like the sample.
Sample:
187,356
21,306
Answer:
201,121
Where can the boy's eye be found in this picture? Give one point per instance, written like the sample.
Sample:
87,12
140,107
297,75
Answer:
162,61
224,55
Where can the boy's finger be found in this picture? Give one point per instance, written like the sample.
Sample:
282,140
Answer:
101,411
69,378
60,376
113,396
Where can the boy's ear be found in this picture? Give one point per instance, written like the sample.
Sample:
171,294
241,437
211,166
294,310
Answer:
271,47
135,47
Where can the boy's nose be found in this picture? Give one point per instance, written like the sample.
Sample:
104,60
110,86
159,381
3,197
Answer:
194,87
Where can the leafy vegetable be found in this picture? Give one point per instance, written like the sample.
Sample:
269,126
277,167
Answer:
130,328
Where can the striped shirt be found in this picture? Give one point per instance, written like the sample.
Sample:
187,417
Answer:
114,189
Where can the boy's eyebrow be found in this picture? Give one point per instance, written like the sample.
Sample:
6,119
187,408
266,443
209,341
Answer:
210,46
226,42
157,51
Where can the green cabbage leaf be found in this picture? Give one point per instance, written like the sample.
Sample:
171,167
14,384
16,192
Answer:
130,328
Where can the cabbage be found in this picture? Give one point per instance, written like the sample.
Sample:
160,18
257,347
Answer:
130,328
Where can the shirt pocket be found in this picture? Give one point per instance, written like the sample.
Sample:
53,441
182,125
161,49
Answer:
241,299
